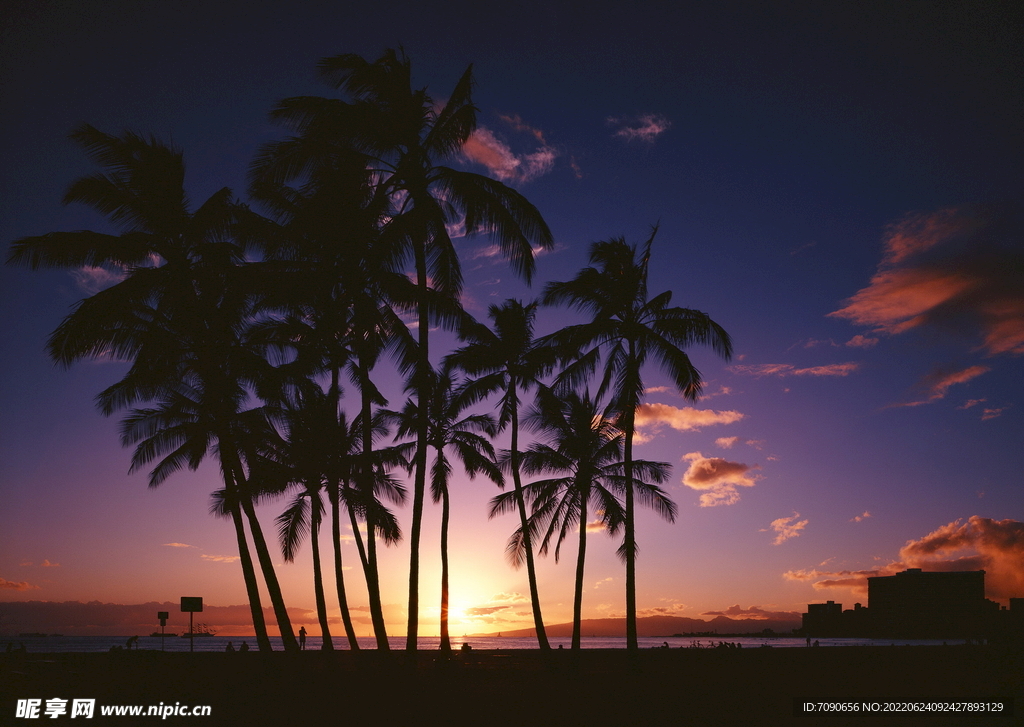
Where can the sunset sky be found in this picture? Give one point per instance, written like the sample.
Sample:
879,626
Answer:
840,189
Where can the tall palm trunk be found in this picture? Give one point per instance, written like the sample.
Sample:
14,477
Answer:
318,579
446,644
531,570
370,563
252,588
420,481
630,536
273,586
581,558
339,573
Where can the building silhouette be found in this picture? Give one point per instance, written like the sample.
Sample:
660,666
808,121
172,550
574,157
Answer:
915,604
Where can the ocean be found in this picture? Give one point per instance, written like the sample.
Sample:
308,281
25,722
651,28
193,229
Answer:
80,644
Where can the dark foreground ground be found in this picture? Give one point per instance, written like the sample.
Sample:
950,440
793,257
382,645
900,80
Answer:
653,687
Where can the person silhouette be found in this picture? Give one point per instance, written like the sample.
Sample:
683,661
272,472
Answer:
302,638
244,646
229,647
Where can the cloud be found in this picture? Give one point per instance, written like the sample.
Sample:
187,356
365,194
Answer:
786,528
672,609
646,127
860,341
596,526
220,558
971,402
603,581
484,147
716,478
987,414
754,612
859,518
514,597
995,546
726,442
957,270
686,419
178,545
48,564
92,280
781,370
16,585
484,610
934,385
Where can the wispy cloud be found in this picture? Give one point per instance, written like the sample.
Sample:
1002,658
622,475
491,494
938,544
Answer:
786,528
955,270
220,558
92,280
178,545
987,414
16,585
860,341
48,564
935,385
716,478
754,612
646,127
859,518
782,370
726,442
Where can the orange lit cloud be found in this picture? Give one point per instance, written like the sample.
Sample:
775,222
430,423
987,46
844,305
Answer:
48,564
16,585
483,147
646,127
686,419
178,545
220,558
953,270
92,280
995,546
987,414
786,528
935,385
859,518
726,442
860,341
843,369
673,609
716,478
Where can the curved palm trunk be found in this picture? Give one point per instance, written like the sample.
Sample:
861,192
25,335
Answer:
581,558
420,482
370,559
446,644
318,581
273,586
252,588
531,571
339,577
630,537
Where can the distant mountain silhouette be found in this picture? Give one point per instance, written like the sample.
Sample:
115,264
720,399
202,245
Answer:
654,626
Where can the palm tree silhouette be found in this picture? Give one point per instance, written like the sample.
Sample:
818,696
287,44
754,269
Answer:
403,134
509,360
175,314
449,429
632,329
587,447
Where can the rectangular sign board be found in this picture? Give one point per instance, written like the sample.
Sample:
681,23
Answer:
163,615
191,604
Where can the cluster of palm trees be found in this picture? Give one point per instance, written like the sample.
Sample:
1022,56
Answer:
243,329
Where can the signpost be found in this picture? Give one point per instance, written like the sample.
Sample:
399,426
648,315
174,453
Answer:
191,605
163,616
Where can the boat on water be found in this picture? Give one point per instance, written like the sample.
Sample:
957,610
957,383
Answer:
201,630
160,635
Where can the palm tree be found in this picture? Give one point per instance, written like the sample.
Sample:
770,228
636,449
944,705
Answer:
587,447
632,329
509,360
449,429
404,134
168,314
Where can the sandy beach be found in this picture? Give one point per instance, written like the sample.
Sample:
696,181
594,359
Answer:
652,687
